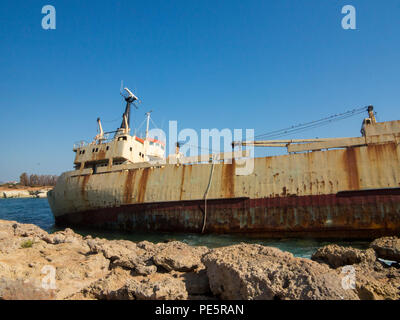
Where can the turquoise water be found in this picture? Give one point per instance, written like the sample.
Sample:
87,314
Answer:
37,211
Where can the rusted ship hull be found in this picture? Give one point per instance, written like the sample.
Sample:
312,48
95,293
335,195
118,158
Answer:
341,193
326,216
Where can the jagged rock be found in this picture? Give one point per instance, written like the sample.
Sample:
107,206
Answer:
196,282
377,281
112,249
28,230
256,272
23,290
156,287
140,265
336,256
107,288
179,256
87,268
387,248
124,254
68,262
66,236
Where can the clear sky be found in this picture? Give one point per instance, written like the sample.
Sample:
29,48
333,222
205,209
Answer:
207,64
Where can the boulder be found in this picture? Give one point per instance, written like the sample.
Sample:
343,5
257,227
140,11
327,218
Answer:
387,248
336,256
107,288
156,287
256,272
23,290
196,282
179,256
377,281
28,230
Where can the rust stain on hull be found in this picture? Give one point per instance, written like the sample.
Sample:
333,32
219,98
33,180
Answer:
182,182
84,183
129,184
350,165
143,184
227,179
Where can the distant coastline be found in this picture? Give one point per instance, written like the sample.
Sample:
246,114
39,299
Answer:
18,191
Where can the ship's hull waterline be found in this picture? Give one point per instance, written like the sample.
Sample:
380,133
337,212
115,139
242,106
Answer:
341,193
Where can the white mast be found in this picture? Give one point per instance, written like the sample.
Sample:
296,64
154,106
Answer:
147,125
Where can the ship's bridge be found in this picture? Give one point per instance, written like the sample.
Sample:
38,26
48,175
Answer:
121,149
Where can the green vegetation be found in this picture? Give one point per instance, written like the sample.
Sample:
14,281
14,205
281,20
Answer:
27,244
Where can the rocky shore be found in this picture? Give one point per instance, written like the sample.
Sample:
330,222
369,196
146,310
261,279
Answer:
65,265
31,193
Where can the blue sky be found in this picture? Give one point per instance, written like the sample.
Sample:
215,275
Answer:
207,64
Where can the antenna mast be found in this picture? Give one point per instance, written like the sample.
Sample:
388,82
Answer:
147,125
129,98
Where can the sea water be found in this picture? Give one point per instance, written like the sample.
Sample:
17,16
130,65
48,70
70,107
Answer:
37,211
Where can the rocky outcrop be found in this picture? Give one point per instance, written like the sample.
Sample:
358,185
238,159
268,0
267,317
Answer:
42,193
262,273
66,265
387,248
16,194
179,256
336,256
374,280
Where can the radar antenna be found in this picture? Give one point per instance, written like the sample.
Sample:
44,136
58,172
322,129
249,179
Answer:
130,99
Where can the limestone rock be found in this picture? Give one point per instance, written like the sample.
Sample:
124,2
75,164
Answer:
336,256
156,287
387,248
23,290
196,282
256,272
28,230
17,194
179,256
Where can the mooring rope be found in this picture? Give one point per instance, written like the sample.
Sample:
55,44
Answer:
205,196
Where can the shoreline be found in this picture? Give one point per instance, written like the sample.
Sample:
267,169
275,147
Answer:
24,192
95,268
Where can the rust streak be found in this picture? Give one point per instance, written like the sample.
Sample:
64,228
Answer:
350,165
84,183
128,188
182,181
228,179
143,184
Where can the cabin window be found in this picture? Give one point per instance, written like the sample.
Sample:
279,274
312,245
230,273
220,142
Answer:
107,147
118,162
130,148
97,149
151,143
93,149
83,151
